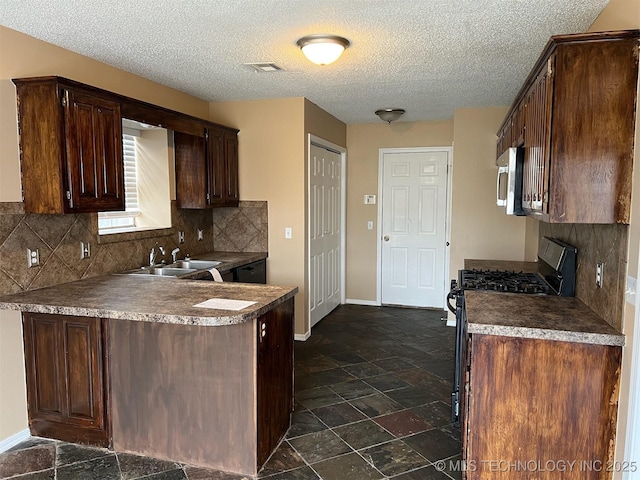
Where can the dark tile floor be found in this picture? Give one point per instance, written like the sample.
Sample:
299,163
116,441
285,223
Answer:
372,402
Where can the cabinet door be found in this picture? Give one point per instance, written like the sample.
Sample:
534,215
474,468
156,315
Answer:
537,125
66,390
231,189
191,171
216,169
93,134
274,377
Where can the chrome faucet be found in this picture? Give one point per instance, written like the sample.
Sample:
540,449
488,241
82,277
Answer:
174,254
153,253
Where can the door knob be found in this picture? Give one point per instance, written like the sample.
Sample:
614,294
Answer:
386,238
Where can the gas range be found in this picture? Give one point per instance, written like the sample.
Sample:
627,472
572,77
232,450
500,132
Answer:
556,276
503,281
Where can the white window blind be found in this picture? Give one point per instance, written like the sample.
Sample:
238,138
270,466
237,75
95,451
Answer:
114,222
130,173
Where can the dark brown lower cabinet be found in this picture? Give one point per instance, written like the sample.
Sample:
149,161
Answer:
67,391
540,409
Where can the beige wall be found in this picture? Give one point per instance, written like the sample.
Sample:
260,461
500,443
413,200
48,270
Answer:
621,15
363,144
479,229
271,166
272,163
24,56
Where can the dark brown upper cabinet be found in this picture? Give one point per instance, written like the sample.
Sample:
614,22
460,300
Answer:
207,168
575,118
70,148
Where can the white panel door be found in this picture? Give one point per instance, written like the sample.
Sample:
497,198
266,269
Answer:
414,209
325,221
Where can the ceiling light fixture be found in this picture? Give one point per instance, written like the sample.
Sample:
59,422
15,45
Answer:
323,49
390,114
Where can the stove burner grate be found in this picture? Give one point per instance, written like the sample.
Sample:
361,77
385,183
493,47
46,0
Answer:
503,281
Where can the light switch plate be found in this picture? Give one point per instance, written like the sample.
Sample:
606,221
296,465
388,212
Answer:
630,291
200,235
85,250
180,237
287,232
369,225
369,199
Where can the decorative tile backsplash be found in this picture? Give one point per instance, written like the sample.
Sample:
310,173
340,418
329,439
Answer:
242,229
58,237
597,243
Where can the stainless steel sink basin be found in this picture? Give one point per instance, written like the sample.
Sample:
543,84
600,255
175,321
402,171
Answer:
196,264
163,271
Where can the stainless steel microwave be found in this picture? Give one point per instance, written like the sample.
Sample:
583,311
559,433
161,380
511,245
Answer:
509,181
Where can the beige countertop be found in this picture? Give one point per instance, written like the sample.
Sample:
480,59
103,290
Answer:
150,299
537,316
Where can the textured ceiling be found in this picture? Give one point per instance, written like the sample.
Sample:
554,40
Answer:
427,56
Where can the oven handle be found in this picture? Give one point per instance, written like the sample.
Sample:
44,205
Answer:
453,293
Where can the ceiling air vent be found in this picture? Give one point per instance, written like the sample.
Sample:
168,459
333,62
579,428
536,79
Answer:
264,67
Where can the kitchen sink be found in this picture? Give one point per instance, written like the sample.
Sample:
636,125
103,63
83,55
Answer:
196,264
162,271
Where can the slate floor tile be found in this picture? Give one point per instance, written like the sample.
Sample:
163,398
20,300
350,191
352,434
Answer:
403,423
134,466
393,364
72,453
426,473
436,413
49,474
434,444
364,370
31,442
18,462
318,397
338,414
328,377
353,389
304,422
103,468
385,383
350,466
413,396
346,358
363,434
318,446
199,473
393,458
284,458
175,474
375,405
304,473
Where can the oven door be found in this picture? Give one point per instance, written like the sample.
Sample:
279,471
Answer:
460,357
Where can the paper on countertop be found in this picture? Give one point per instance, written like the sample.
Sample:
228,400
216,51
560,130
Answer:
225,304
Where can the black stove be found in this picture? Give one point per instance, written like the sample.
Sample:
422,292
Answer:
556,276
503,281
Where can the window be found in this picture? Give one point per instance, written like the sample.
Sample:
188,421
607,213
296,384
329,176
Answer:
148,159
114,222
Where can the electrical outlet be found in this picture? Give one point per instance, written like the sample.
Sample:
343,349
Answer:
200,235
630,291
599,273
287,232
85,250
180,237
33,257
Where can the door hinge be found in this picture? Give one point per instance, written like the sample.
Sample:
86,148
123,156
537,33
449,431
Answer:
69,198
263,330
549,67
208,197
206,135
65,98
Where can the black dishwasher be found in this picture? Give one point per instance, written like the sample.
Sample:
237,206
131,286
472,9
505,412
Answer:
255,272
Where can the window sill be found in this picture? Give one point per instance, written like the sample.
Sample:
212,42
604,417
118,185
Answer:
135,235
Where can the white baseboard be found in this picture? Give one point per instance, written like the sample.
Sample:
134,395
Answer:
355,301
302,337
14,439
